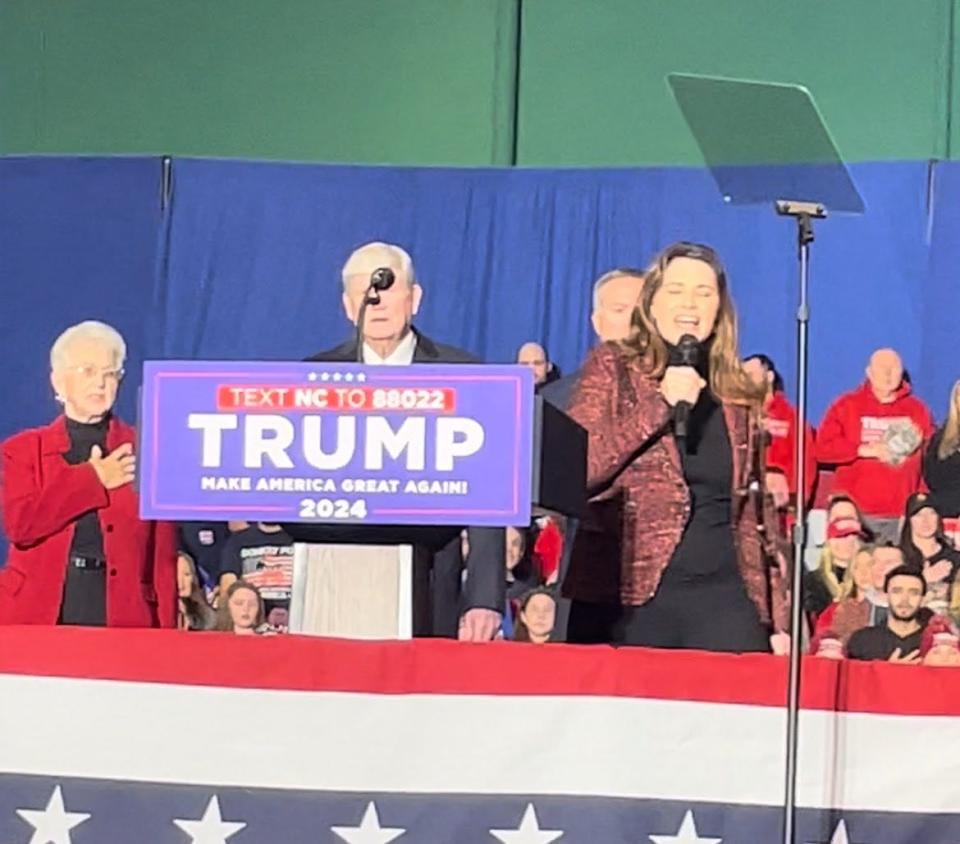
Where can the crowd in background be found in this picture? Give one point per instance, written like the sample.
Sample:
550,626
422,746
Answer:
882,579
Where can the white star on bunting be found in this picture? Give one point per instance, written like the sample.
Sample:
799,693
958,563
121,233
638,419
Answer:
528,832
369,831
211,828
53,824
840,834
687,834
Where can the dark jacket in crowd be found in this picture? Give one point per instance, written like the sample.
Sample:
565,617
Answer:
943,477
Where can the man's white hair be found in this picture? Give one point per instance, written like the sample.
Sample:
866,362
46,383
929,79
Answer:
373,256
90,329
609,276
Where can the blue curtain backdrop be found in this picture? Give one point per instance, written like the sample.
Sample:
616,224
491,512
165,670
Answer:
78,240
253,253
245,262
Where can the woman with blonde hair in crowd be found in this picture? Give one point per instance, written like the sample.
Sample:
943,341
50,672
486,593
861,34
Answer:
850,611
680,545
846,532
941,466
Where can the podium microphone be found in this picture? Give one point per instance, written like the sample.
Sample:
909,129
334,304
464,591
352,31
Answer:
687,354
380,279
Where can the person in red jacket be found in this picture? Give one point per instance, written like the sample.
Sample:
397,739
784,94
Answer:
780,421
79,553
874,436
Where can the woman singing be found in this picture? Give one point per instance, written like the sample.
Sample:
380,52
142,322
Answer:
79,553
678,550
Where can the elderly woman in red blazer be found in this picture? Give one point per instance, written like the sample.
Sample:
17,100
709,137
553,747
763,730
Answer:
79,553
678,549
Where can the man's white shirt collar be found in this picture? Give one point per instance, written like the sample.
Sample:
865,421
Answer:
400,356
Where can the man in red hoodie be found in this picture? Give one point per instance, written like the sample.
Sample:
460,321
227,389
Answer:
780,420
873,436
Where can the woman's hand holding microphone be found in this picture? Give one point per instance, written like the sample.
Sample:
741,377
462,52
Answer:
681,383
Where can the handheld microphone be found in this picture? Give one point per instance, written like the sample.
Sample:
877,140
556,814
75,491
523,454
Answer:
687,354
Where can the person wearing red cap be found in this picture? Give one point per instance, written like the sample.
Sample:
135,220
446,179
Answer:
780,421
940,644
873,436
845,533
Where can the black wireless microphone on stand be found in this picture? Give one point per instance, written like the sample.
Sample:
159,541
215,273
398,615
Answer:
687,354
380,279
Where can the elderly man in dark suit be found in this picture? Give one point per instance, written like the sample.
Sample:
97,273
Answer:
389,339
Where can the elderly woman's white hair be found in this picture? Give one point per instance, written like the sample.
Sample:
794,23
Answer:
372,256
90,329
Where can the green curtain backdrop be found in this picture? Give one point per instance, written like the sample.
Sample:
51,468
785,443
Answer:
437,81
385,81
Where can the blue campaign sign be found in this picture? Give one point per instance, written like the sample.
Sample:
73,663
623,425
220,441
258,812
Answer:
336,443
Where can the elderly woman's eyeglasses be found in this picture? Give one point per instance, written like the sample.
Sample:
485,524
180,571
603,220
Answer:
90,372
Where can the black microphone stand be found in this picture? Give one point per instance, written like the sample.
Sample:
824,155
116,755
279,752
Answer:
380,279
804,213
370,297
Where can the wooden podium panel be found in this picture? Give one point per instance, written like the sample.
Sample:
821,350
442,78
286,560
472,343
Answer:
352,591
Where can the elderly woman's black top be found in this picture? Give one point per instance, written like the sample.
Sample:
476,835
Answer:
85,589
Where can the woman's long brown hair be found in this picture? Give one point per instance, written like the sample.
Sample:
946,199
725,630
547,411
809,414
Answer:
224,622
728,381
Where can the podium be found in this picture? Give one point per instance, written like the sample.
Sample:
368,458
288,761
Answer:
373,471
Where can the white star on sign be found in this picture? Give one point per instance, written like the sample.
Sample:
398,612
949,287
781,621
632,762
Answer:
325,376
348,376
528,832
53,824
312,376
369,831
840,834
211,828
337,376
361,376
687,834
